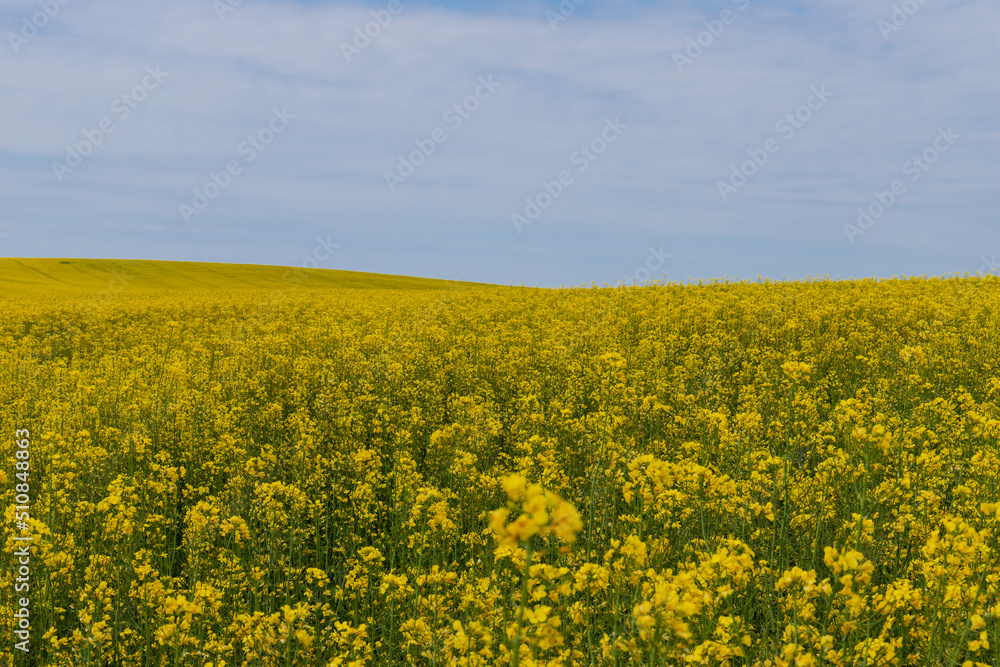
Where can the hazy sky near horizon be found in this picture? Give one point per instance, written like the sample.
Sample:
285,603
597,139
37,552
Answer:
530,142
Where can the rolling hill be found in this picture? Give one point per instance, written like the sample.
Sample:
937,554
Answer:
48,276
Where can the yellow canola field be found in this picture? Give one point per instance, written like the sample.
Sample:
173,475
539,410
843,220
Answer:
801,473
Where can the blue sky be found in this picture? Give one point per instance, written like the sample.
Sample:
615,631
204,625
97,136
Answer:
535,142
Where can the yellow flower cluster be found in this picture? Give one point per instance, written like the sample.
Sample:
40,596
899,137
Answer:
543,513
742,474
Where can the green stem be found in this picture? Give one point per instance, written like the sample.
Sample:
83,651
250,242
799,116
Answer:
515,652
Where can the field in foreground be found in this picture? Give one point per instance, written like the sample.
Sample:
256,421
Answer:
733,474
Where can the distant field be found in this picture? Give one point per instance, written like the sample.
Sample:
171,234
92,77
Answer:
42,277
218,465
